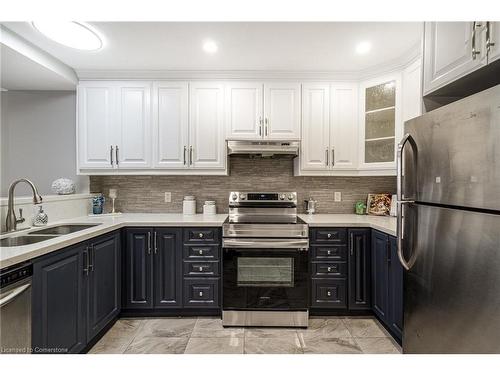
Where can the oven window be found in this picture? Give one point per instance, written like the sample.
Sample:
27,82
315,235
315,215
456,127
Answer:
259,272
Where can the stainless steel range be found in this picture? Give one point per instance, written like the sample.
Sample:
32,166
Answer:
265,261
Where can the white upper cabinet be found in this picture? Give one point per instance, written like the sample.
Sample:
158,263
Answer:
315,143
244,103
412,91
207,148
282,110
380,122
170,125
96,126
133,147
451,51
344,126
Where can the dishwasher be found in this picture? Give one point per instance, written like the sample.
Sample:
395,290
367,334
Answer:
15,309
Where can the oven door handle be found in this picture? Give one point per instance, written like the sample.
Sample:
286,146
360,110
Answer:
270,244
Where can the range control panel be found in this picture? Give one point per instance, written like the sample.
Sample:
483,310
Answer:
274,197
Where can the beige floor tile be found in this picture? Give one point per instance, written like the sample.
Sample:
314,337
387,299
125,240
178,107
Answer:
111,345
365,327
270,332
378,345
168,327
219,345
275,345
212,327
325,328
157,345
316,345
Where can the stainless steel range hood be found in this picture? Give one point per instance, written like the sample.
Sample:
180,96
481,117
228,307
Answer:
263,148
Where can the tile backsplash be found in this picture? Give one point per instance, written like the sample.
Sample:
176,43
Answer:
147,193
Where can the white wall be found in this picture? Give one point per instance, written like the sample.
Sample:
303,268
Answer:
38,130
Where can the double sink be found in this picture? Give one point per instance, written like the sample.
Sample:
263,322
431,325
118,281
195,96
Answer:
44,234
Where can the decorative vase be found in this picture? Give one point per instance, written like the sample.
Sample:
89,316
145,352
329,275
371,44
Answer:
63,186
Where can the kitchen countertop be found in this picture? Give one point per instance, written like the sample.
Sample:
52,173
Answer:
386,224
17,254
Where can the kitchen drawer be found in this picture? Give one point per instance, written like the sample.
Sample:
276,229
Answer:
201,235
329,253
201,252
201,292
201,268
330,269
328,293
336,236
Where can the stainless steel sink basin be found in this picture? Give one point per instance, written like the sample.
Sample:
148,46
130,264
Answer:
23,240
63,229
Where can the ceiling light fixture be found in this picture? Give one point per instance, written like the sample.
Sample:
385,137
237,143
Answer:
72,34
209,46
363,48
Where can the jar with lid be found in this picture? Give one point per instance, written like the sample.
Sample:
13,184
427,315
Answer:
189,205
209,208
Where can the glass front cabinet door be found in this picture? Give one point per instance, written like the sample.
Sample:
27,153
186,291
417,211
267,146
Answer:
380,122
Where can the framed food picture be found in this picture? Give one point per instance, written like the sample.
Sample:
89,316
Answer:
378,204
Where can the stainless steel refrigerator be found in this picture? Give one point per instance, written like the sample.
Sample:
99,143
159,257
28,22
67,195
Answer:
449,227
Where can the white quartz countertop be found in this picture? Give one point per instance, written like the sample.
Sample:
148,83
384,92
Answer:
386,224
17,254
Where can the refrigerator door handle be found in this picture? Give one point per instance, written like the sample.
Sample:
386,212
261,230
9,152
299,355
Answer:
400,200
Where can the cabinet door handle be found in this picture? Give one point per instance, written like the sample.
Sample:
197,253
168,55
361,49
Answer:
388,251
111,155
351,250
116,153
333,157
190,155
86,261
91,258
489,43
184,156
155,243
473,40
149,242
260,126
266,127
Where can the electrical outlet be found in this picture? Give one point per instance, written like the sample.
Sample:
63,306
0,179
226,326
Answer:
337,196
168,197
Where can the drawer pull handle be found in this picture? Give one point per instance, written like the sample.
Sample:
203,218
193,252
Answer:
329,235
329,293
329,252
201,269
200,252
201,294
329,269
200,235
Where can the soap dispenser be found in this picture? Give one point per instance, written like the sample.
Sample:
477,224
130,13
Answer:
40,218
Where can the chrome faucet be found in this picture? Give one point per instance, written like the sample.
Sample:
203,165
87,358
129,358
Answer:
12,221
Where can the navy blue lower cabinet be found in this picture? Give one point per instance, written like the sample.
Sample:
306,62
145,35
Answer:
167,251
329,293
380,275
359,269
59,301
104,282
201,292
138,269
395,291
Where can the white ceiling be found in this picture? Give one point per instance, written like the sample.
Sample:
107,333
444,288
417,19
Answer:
325,47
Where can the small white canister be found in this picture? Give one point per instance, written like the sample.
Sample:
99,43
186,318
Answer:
189,205
209,208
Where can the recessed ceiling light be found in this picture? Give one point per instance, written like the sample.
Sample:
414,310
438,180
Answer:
71,34
363,48
209,46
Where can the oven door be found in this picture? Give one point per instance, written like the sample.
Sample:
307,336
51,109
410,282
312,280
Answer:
265,274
